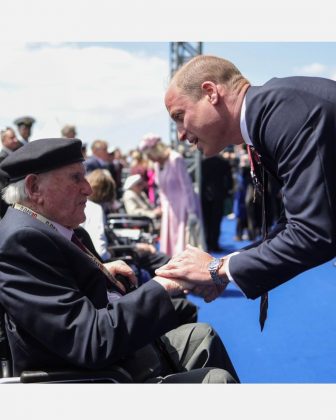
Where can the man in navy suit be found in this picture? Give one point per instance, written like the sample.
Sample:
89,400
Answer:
100,158
291,124
64,308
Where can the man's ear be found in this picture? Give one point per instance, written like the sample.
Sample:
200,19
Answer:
210,91
32,186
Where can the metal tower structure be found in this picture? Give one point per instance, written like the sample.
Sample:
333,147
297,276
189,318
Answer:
180,53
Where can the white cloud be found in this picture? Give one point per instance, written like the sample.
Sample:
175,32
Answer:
317,69
106,92
313,69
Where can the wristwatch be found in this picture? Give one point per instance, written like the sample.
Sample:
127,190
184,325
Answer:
214,265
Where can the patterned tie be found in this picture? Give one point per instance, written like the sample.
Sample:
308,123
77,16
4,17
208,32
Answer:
119,285
260,188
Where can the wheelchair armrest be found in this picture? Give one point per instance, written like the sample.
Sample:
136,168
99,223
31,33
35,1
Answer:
126,253
116,375
130,220
128,217
121,249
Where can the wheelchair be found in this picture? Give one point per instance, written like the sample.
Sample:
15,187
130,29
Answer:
115,374
131,228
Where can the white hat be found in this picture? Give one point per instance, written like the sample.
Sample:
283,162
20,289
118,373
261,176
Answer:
131,181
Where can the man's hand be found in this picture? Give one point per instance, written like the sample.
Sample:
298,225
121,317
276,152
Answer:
191,265
120,267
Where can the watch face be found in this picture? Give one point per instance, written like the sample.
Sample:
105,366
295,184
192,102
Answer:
213,264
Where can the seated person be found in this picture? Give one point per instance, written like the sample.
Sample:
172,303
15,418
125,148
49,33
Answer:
136,202
94,224
148,258
64,309
103,193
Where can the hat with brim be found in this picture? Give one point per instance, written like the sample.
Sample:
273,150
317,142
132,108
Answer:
41,156
27,121
131,181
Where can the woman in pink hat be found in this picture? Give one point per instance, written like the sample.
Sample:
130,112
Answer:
180,205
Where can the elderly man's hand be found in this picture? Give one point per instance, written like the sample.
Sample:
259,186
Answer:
209,293
120,267
173,287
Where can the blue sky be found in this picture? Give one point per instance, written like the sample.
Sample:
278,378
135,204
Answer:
115,90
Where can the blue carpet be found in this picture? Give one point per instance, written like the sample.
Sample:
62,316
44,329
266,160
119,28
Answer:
298,342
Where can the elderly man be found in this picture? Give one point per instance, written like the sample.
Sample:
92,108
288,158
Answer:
64,308
289,127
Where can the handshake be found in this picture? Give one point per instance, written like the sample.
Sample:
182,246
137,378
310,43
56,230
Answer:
188,272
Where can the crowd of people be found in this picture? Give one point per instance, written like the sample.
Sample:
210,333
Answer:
153,180
259,164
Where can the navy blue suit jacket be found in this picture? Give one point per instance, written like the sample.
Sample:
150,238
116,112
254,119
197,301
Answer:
56,301
292,124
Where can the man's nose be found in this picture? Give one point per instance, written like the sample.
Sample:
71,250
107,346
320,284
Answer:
87,190
182,134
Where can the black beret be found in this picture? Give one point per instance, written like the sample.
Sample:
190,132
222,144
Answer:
27,121
41,156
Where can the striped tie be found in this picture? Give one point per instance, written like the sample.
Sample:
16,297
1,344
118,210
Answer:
120,287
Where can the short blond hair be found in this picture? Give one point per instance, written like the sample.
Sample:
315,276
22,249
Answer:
103,186
190,76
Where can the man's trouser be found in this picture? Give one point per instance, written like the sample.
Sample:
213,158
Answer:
191,353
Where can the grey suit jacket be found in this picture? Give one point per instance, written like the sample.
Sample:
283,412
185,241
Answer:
56,301
292,124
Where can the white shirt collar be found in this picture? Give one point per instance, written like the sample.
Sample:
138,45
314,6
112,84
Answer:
67,233
243,126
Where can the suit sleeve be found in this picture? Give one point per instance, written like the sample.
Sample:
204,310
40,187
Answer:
293,136
41,295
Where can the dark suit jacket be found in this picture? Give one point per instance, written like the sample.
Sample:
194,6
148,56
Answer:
292,124
93,163
3,154
216,179
56,301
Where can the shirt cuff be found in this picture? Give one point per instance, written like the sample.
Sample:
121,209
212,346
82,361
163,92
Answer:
227,270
